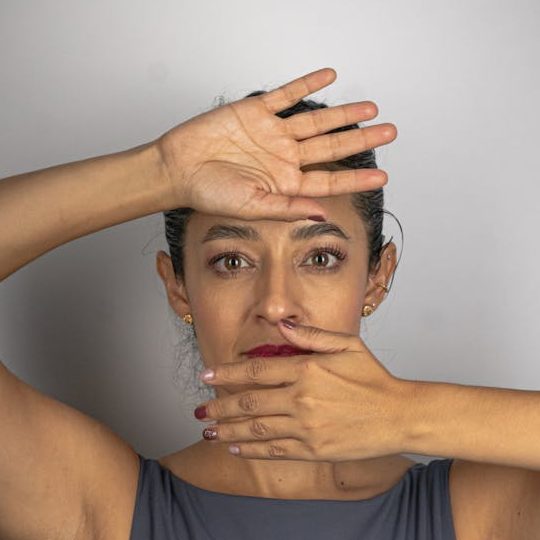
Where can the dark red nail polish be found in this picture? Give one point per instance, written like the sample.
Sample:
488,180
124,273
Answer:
316,218
200,412
210,433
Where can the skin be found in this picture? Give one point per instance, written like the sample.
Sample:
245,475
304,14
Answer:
277,278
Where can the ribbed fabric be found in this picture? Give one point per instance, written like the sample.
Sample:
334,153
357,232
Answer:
169,508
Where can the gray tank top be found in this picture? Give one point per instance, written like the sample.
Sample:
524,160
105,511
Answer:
169,508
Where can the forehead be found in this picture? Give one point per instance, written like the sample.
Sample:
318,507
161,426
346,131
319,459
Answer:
342,222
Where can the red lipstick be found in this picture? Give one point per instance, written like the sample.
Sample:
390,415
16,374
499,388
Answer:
269,349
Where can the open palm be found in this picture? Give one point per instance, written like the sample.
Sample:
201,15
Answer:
241,160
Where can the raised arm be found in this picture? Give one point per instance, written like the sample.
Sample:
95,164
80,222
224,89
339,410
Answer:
239,160
42,210
64,475
59,468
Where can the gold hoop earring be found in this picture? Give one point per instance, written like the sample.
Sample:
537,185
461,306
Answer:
187,318
367,310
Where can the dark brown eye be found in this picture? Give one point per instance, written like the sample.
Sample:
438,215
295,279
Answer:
326,258
234,265
231,263
228,263
321,259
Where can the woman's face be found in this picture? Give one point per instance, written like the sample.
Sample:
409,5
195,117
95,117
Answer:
242,277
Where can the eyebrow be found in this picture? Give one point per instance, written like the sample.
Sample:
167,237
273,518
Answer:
246,232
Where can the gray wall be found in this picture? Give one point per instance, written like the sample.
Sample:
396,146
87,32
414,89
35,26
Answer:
89,322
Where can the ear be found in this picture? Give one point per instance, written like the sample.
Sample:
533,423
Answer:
175,288
382,275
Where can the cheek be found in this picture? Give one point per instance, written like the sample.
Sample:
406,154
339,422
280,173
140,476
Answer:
220,307
337,308
218,319
341,297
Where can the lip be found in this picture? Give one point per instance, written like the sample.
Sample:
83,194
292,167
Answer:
269,349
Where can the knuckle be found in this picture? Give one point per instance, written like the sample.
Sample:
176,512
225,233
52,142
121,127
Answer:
304,402
317,119
224,432
248,402
334,144
289,93
276,450
255,368
334,182
215,409
362,137
223,372
259,429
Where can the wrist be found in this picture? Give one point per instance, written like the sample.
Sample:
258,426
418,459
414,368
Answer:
152,165
417,408
437,417
171,171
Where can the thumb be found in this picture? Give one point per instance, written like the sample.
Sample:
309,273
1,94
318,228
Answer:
317,339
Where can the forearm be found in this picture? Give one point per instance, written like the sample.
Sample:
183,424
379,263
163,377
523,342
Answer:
44,209
476,423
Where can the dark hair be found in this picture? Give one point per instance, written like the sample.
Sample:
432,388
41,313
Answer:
368,204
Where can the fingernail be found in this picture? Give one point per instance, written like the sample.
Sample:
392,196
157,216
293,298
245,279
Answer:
234,450
207,375
316,218
210,433
200,412
288,323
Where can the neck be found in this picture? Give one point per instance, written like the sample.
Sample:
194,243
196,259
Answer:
212,467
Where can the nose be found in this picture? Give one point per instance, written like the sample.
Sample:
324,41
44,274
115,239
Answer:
278,295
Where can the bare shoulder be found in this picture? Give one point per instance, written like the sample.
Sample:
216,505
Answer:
63,473
112,495
493,501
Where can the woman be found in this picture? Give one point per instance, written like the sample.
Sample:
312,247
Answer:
317,432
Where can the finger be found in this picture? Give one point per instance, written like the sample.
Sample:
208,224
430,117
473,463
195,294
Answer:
315,183
319,340
328,183
258,370
279,207
292,92
251,403
309,124
336,146
259,428
275,449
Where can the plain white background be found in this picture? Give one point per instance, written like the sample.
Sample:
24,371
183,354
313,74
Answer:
89,323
